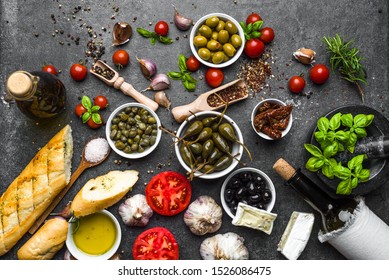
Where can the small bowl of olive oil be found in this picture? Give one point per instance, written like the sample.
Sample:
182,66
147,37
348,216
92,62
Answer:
96,236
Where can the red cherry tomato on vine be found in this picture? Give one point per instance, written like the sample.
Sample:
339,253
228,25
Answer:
78,72
214,77
101,101
120,58
94,122
253,17
192,63
319,74
161,28
79,110
296,84
254,48
49,68
267,35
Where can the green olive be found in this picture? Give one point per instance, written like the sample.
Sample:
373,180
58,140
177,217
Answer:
212,21
220,25
229,50
223,36
214,45
236,41
218,57
231,27
200,41
215,35
204,53
206,31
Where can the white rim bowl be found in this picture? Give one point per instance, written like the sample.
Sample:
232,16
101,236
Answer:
269,184
80,255
224,17
134,155
254,112
236,148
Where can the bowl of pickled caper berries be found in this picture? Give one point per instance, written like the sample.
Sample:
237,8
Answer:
209,145
132,130
217,40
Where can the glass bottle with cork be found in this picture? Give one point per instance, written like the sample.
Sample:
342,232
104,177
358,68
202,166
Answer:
38,94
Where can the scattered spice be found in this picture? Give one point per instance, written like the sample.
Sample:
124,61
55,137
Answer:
95,49
228,94
106,73
96,150
254,73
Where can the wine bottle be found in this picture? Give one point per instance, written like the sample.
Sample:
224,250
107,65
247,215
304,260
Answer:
347,223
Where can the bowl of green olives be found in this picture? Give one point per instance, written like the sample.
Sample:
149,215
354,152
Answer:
132,130
209,145
217,40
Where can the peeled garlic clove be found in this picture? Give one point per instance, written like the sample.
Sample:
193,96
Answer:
228,246
161,98
122,32
159,82
305,56
182,23
148,67
135,211
203,216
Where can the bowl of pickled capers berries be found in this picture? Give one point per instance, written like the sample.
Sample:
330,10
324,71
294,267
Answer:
250,186
217,40
209,145
132,130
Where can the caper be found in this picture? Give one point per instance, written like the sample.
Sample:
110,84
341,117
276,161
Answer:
142,126
114,126
214,45
212,21
231,27
154,132
132,133
137,139
144,112
118,135
137,118
143,118
223,36
204,53
220,25
127,110
139,131
126,133
141,149
236,41
124,117
113,134
127,150
120,145
229,50
153,139
130,141
134,110
148,130
206,31
218,57
134,147
145,142
115,120
151,120
200,41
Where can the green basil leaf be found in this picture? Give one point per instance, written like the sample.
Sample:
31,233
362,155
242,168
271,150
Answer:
85,117
344,187
335,121
356,161
347,120
352,140
331,150
250,27
257,25
360,120
328,171
243,25
313,150
323,124
358,169
314,164
320,136
325,144
97,118
341,135
256,34
190,78
182,62
175,75
153,40
341,172
144,33
247,37
86,102
331,135
165,40
364,175
189,86
360,132
354,183
370,119
95,109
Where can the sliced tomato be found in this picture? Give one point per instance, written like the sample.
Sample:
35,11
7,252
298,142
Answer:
168,193
155,244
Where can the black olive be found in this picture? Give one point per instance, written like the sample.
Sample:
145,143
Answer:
233,209
245,176
251,188
244,201
258,179
260,206
235,183
229,194
255,199
267,196
240,193
232,203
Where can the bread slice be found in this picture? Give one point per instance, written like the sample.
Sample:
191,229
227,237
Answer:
103,191
34,189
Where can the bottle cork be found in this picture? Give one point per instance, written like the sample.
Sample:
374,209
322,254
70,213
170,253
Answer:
284,169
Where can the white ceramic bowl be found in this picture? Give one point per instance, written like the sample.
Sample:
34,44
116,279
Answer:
80,255
269,185
254,112
134,155
224,17
236,148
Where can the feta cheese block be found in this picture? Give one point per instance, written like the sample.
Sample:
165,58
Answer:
248,216
296,235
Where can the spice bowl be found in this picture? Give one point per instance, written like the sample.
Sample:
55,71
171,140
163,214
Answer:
132,130
225,41
210,162
250,186
277,129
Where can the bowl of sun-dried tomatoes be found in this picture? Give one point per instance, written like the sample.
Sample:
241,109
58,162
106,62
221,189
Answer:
272,118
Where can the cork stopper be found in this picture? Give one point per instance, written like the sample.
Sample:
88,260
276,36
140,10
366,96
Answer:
284,169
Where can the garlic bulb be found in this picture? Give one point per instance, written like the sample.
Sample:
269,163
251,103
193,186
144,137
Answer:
135,211
228,246
203,215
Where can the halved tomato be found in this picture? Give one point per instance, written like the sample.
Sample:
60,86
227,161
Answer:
168,193
155,244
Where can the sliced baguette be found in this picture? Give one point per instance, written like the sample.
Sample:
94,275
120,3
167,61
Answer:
103,191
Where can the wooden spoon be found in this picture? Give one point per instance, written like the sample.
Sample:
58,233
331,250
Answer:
180,113
84,164
118,82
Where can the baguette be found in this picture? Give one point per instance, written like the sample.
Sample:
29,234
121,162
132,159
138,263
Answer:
46,242
103,191
33,190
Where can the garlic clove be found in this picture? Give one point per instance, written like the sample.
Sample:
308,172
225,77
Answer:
122,32
305,56
182,23
159,82
148,67
162,99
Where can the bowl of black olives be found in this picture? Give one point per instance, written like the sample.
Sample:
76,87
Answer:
132,130
250,186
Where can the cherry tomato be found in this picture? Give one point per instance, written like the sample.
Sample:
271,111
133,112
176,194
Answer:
192,63
214,77
101,101
79,110
161,28
319,74
49,68
267,35
93,123
78,72
168,193
120,58
157,243
296,84
253,17
254,48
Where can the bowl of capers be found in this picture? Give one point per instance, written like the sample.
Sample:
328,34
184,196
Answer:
132,130
217,40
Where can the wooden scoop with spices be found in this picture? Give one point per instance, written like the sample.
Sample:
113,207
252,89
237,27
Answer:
213,100
112,78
